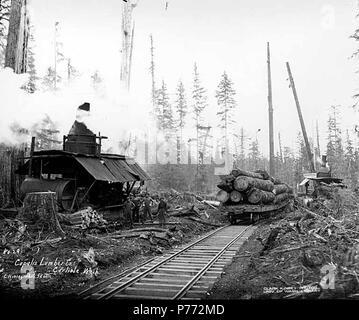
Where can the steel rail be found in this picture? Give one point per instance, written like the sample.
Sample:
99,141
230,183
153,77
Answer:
141,275
200,273
85,293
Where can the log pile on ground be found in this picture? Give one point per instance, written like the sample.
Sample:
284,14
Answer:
246,187
85,218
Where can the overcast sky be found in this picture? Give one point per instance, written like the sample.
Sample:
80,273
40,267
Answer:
230,35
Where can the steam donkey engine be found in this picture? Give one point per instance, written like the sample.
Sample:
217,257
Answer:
80,173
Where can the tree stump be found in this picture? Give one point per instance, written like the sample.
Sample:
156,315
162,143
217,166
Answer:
40,208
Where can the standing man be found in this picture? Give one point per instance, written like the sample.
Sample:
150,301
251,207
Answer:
136,209
127,207
147,209
162,209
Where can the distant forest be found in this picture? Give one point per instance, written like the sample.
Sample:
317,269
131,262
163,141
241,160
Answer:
172,116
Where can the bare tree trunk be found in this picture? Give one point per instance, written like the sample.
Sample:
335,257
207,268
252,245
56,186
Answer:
17,40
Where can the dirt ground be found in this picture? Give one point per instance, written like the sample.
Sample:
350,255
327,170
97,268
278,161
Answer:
111,257
240,279
309,253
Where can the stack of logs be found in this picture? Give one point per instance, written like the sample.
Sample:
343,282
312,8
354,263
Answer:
85,218
257,187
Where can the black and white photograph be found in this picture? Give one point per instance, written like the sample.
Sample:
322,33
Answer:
179,157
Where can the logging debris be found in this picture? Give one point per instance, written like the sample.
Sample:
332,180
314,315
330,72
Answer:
299,248
285,259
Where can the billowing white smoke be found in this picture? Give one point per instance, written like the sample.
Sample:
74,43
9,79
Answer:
114,112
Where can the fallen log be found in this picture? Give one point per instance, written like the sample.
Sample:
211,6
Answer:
280,188
222,196
212,204
243,183
162,238
236,196
205,222
98,238
48,241
280,197
291,248
149,224
147,229
124,236
186,212
270,242
196,196
256,196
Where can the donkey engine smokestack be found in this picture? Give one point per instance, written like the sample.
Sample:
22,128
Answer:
81,139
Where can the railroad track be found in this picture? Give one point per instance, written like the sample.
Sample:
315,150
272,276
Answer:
185,273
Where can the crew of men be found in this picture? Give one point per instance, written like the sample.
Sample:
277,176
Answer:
133,204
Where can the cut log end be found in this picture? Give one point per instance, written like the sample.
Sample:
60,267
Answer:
222,196
236,196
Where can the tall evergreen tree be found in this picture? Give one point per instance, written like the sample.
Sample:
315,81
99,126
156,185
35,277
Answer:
31,85
335,150
242,139
351,166
47,134
226,102
301,160
239,143
254,155
72,72
5,6
355,36
165,114
59,55
285,170
48,81
199,104
181,109
96,80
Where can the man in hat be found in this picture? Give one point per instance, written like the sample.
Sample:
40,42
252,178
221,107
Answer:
127,207
162,209
136,209
147,208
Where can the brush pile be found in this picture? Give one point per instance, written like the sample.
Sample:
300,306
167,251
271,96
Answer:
245,187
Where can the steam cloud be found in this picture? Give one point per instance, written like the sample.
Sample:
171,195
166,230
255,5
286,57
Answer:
114,112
